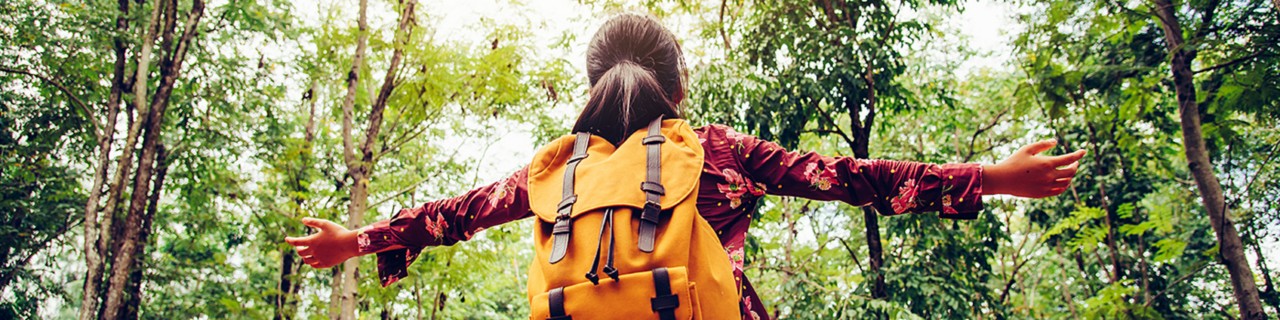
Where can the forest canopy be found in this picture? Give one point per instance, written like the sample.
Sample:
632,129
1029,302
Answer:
155,153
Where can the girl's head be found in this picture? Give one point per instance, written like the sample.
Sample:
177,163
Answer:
636,73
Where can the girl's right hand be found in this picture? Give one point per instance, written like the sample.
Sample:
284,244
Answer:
334,244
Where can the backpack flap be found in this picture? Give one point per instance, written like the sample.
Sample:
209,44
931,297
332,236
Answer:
611,177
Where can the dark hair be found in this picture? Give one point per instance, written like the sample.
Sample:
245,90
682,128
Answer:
636,73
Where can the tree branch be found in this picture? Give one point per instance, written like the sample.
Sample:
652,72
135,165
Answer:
853,255
98,130
388,86
1231,63
989,125
723,34
832,122
1199,267
414,185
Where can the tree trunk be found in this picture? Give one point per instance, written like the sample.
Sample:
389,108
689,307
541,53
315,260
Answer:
860,146
1066,295
335,294
92,231
134,287
1231,250
124,260
288,287
125,164
417,299
171,65
876,253
361,169
111,221
1269,295
355,208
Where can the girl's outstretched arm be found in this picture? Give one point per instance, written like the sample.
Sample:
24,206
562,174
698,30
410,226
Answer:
953,190
397,241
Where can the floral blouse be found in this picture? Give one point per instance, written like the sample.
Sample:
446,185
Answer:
739,169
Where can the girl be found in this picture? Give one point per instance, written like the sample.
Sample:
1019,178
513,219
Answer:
635,68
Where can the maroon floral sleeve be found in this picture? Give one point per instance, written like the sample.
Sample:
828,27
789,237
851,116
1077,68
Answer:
443,222
891,187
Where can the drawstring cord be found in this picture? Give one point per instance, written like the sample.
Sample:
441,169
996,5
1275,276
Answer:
608,263
606,224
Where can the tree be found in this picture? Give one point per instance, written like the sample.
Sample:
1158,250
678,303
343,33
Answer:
1242,280
360,168
204,179
821,63
1103,82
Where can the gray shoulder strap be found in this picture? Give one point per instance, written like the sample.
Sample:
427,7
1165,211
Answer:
652,186
563,226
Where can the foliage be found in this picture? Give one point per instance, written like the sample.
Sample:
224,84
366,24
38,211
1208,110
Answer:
254,118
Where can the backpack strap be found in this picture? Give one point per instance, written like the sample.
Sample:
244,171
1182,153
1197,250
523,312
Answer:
563,227
652,186
555,302
665,303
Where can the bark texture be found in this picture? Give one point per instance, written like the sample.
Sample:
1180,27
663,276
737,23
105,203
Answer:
860,143
134,288
92,256
360,167
132,240
1231,249
345,284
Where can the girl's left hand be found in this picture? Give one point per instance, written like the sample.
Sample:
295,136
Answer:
1028,174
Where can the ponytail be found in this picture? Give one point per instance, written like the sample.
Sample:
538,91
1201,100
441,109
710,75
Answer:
636,70
624,100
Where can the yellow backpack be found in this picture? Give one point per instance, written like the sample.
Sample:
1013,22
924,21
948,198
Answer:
618,233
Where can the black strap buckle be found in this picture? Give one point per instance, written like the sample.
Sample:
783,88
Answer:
667,302
652,210
555,302
560,243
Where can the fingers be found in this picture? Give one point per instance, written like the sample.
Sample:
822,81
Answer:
1065,172
299,241
1039,146
1060,185
1066,159
315,262
309,256
311,261
321,224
